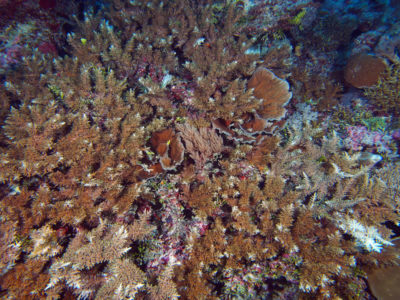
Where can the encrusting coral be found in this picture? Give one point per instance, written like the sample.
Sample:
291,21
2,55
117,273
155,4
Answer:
162,157
364,70
168,145
272,90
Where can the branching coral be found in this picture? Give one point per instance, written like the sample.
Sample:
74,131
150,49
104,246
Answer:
385,94
70,149
139,164
287,212
87,251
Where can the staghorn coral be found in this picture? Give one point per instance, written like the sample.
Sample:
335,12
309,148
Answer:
214,61
66,141
44,242
11,247
218,63
32,283
285,214
88,250
91,208
73,115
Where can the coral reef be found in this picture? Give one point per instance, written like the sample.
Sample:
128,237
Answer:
384,281
364,70
196,150
385,94
273,91
169,147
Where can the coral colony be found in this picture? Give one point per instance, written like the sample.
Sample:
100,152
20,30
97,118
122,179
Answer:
199,149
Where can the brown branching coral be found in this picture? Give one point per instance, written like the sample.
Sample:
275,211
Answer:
289,211
32,283
104,244
139,166
45,242
78,145
10,246
218,64
390,175
213,53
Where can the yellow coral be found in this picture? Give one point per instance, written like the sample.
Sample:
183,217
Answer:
296,20
385,95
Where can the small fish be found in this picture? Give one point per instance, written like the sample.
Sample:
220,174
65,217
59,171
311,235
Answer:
370,158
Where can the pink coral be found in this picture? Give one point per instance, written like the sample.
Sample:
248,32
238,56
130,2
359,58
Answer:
360,136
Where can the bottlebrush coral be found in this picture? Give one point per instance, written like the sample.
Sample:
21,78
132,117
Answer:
11,247
260,230
366,237
138,165
82,265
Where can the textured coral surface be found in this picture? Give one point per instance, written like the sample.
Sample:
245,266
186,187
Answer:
198,149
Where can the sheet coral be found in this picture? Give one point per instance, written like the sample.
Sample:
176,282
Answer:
163,153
